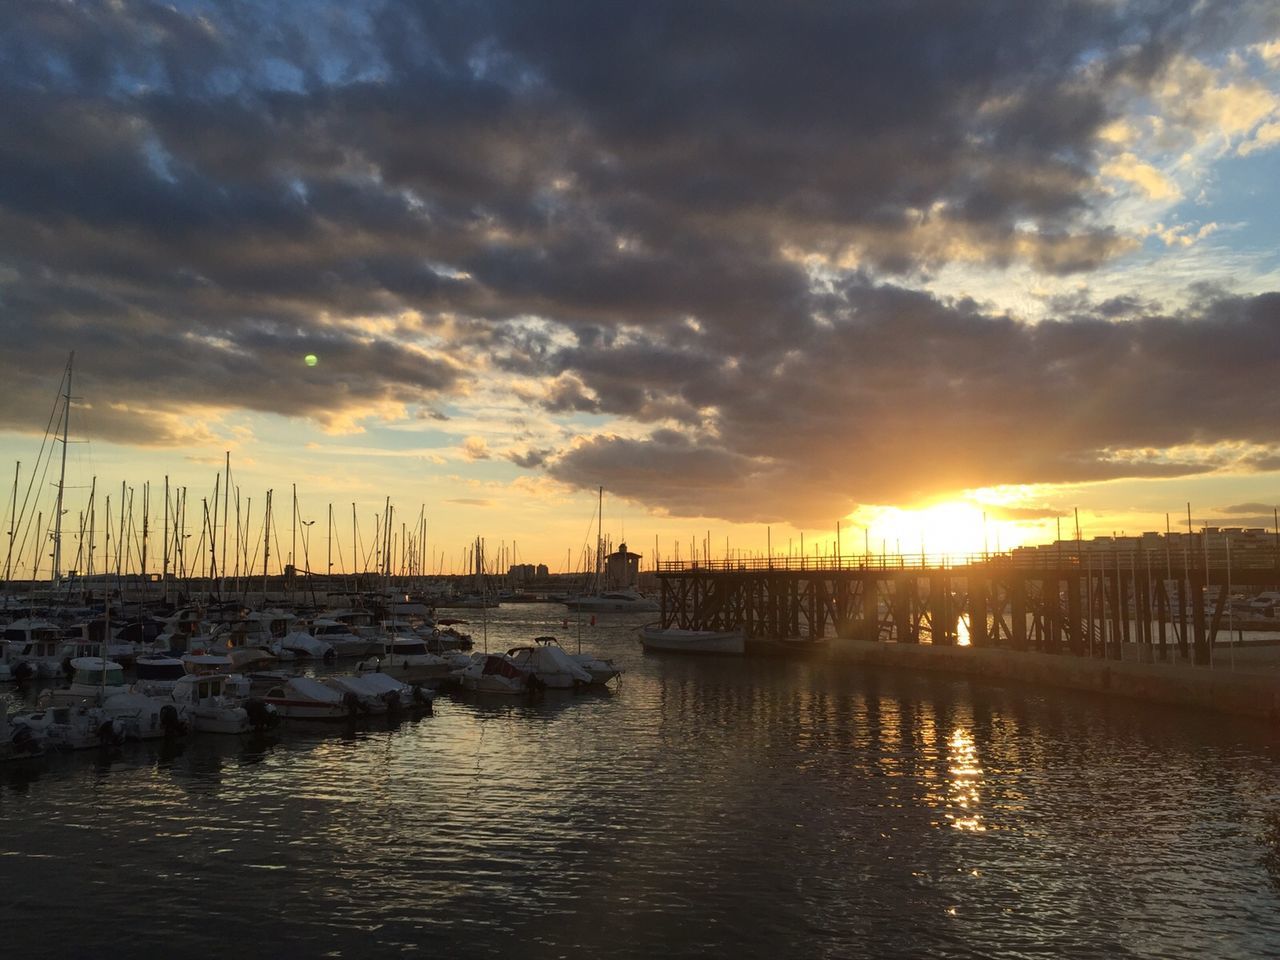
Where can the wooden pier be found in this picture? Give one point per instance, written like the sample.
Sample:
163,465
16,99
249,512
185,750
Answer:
1088,604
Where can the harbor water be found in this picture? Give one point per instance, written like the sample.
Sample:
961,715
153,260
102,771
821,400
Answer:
752,807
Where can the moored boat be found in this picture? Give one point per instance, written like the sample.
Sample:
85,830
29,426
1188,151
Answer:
675,640
302,698
550,665
495,673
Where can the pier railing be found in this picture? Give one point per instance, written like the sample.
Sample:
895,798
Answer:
1153,561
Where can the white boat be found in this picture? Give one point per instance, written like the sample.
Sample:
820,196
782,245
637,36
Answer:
614,601
93,679
550,665
300,643
407,659
495,673
34,647
146,718
378,693
213,706
79,727
343,638
18,742
302,698
675,640
155,676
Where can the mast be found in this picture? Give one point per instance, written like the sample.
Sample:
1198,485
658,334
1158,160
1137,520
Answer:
599,533
62,475
13,522
164,573
226,496
266,547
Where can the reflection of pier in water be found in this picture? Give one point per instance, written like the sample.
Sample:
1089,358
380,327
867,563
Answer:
1085,604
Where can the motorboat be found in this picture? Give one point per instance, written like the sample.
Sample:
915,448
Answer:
79,727
495,673
93,680
379,693
144,717
408,659
344,638
675,640
302,698
34,647
301,644
215,703
550,665
614,601
18,742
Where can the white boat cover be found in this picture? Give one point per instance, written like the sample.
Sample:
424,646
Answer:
305,687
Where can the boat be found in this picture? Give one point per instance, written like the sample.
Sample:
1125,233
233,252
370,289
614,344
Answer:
80,727
550,665
675,640
34,648
408,659
342,636
18,742
146,718
625,600
495,673
301,644
156,676
93,680
378,693
302,698
215,703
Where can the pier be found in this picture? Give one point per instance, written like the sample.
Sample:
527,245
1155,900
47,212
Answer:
1090,604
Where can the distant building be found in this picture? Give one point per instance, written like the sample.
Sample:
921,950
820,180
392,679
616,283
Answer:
621,568
527,572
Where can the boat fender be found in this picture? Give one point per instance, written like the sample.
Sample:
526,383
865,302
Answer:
351,702
392,700
23,740
262,715
111,732
170,720
68,670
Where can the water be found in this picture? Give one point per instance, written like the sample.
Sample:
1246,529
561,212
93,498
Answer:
754,807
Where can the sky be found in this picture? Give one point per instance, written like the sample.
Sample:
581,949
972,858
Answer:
941,276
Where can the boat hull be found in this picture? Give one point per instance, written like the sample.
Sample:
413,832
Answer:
673,640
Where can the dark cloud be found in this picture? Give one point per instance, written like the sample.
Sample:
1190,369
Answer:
908,397
614,201
529,459
1253,508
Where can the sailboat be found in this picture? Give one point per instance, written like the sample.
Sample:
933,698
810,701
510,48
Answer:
622,599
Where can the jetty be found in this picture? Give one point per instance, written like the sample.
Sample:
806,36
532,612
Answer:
1149,623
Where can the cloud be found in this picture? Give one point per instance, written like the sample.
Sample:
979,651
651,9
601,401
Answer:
704,227
475,448
1145,177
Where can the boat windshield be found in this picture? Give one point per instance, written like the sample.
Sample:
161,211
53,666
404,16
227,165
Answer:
93,676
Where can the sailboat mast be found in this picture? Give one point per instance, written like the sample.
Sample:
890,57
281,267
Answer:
599,534
13,522
226,500
62,475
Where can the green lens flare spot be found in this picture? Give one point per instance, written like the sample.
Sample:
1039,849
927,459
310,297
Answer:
310,359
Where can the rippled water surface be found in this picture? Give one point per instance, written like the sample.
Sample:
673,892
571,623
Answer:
751,807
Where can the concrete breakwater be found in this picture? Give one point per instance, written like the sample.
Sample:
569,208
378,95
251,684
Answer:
1248,692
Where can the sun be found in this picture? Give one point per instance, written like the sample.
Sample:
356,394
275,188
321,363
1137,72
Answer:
953,528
